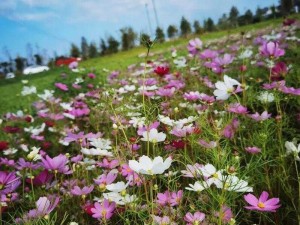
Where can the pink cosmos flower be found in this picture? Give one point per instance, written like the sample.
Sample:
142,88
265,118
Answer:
211,144
84,191
44,206
162,220
231,128
61,86
192,96
262,203
194,46
105,210
264,116
208,54
271,49
237,108
279,71
91,75
56,164
225,213
219,64
253,150
195,218
166,92
105,179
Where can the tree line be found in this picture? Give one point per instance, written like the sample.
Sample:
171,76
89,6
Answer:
129,38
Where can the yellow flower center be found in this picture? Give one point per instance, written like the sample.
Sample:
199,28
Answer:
261,205
215,175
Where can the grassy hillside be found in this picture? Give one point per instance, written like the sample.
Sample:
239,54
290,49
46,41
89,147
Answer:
11,100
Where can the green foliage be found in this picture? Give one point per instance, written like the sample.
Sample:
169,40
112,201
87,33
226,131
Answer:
84,48
197,27
159,34
93,50
172,31
113,45
74,52
128,38
185,27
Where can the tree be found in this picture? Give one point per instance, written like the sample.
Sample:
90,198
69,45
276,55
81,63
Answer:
74,52
84,48
258,15
248,17
286,6
38,59
19,63
223,22
172,31
185,27
197,28
209,25
103,47
128,38
160,36
93,52
113,45
233,16
144,38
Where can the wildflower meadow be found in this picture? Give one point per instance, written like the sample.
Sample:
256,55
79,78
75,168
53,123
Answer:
204,134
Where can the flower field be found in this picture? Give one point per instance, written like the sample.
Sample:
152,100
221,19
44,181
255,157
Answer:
205,135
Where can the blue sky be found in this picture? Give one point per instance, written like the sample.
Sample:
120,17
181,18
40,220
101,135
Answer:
55,24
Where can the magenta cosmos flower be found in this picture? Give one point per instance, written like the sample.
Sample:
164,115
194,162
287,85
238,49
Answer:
197,218
194,46
262,203
84,191
271,49
61,86
105,210
56,164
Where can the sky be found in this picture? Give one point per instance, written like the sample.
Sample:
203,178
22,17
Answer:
52,25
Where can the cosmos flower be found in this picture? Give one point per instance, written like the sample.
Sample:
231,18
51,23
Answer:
153,136
145,165
194,46
105,210
195,218
44,206
262,203
226,88
271,49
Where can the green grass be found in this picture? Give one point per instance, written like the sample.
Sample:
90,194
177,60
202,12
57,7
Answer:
10,90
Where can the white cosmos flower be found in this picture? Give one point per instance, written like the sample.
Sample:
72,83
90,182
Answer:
117,187
28,90
153,136
145,165
118,198
198,186
292,149
47,95
34,154
100,143
96,151
10,151
266,97
233,183
214,176
246,54
35,130
226,88
66,106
